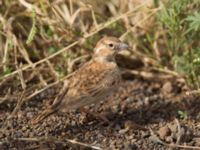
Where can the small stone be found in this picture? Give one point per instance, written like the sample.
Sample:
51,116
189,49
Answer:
133,140
132,125
24,128
117,127
169,139
145,134
29,115
128,124
129,146
123,131
163,132
18,134
146,101
167,88
73,123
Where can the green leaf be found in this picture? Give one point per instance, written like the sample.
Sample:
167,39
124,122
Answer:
194,22
33,30
183,114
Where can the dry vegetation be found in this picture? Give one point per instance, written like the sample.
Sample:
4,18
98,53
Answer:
42,42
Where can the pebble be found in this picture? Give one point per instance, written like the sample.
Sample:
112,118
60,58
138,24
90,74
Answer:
123,131
145,134
167,88
169,139
163,132
29,115
24,128
117,127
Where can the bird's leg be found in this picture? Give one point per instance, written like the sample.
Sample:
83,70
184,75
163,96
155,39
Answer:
102,118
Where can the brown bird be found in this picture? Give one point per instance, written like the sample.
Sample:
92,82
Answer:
93,82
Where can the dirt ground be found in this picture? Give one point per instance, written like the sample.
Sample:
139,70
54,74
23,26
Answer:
142,114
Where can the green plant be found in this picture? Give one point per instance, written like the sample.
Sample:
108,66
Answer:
180,21
183,114
33,30
7,70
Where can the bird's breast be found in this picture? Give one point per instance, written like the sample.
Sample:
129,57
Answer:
93,83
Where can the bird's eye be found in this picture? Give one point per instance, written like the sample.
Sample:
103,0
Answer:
111,45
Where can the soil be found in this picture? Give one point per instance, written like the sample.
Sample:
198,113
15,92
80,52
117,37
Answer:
142,114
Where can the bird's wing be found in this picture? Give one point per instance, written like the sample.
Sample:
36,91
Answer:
90,84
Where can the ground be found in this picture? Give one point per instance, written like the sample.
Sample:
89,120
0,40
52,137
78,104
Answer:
142,114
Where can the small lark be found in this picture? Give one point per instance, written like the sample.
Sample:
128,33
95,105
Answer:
93,82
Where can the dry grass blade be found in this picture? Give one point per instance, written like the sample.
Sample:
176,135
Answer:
21,99
148,75
43,60
74,142
100,27
57,81
194,92
47,87
156,139
130,29
6,97
18,106
179,134
30,7
5,54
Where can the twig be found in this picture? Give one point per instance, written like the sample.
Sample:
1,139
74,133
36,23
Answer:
5,54
148,75
55,74
43,60
179,135
56,140
93,17
139,22
30,7
47,87
6,97
76,60
156,139
194,92
20,101
56,82
18,106
165,70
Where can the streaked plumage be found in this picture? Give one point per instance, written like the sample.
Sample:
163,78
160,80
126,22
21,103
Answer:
93,82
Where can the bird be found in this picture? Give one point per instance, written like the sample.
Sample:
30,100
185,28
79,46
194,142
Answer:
93,82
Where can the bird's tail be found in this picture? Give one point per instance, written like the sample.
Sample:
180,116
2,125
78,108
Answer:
43,115
57,104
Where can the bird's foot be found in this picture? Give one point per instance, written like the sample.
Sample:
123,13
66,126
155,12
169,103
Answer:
100,117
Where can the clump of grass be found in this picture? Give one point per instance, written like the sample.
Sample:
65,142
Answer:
183,114
33,30
180,22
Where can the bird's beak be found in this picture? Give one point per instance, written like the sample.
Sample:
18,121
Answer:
123,46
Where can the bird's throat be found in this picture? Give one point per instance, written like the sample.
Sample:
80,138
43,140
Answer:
105,59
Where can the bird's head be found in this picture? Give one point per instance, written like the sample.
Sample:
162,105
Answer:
107,47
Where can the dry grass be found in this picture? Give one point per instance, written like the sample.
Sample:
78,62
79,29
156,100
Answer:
39,39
